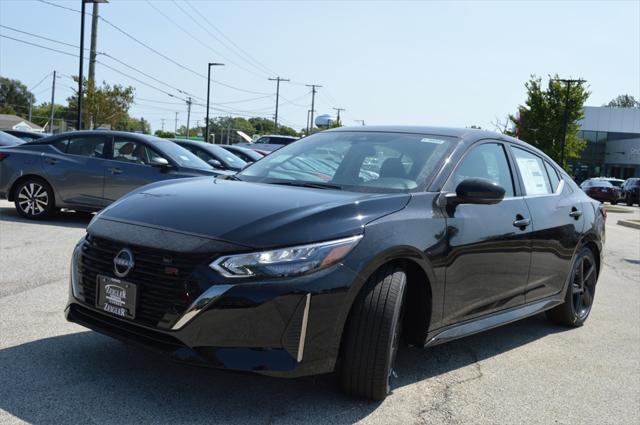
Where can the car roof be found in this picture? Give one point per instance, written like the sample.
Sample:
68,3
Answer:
280,135
112,133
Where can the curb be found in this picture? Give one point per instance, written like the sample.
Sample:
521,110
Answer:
628,223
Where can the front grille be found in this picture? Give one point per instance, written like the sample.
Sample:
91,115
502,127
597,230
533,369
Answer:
161,297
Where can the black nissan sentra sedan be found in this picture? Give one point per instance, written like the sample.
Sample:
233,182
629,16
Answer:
327,253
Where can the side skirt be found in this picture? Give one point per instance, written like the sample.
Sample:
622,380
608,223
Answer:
471,327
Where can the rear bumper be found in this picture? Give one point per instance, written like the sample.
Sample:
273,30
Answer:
286,329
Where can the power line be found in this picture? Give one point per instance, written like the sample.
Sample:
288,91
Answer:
189,16
108,56
236,47
162,55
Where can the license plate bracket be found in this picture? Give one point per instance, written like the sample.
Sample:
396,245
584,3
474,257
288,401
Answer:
116,297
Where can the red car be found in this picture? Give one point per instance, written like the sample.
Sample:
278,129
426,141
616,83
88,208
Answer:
602,190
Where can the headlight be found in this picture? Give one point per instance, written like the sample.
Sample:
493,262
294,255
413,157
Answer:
282,262
75,271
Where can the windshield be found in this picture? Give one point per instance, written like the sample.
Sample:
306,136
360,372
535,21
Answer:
616,183
359,161
183,157
228,159
7,139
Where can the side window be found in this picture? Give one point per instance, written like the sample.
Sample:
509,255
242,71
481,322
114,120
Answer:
91,146
553,176
535,178
131,151
61,145
487,161
203,155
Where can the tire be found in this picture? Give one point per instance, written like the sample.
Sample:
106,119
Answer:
614,202
580,292
34,199
372,335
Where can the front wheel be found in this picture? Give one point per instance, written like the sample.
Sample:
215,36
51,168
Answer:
34,199
372,335
580,293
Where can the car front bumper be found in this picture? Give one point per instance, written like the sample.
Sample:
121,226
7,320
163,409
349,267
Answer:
283,328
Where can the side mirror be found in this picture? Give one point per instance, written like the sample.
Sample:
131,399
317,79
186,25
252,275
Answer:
159,162
479,191
215,163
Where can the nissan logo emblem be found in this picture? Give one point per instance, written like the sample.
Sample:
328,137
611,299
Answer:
123,262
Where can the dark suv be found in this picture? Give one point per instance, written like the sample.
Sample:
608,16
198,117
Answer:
327,253
631,191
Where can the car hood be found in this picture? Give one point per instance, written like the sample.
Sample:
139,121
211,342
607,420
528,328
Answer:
250,214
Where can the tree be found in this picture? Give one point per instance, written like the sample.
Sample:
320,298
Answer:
40,114
623,101
135,125
14,96
165,134
105,105
540,121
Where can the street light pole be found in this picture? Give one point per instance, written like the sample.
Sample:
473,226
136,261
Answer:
565,126
206,124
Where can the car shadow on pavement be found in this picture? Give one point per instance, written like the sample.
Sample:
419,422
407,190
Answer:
88,378
59,218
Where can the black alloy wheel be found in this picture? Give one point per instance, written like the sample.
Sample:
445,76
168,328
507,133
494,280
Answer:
580,293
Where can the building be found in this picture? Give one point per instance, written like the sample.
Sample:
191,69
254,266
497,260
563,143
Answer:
14,122
613,143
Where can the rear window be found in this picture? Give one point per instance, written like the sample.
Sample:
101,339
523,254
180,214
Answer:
270,140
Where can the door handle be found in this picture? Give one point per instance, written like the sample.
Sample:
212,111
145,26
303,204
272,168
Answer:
51,161
521,222
114,170
575,213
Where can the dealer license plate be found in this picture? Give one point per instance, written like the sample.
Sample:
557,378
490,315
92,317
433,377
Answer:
116,297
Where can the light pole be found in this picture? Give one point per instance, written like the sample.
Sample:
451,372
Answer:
206,123
80,77
568,82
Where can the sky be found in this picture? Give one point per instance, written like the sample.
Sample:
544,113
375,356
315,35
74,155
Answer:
421,62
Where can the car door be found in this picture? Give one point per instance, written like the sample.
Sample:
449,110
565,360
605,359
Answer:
557,222
76,169
129,167
489,246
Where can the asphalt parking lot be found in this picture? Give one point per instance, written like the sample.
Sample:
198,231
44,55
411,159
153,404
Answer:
528,372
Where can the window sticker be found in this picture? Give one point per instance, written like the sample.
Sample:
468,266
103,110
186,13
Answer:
533,176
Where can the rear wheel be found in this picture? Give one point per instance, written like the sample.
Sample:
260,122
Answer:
580,293
372,335
34,199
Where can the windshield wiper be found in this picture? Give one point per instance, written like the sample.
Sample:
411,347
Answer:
309,184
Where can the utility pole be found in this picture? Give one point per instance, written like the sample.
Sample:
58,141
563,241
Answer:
30,106
175,128
228,129
162,124
188,114
568,82
277,80
360,121
206,126
94,39
53,97
313,99
338,111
